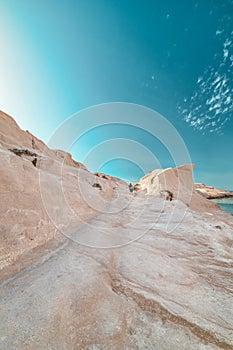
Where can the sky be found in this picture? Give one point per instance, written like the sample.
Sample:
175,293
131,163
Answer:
174,57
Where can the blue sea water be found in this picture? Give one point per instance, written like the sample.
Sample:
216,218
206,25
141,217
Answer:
225,204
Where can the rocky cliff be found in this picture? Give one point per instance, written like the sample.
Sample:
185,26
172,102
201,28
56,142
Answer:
170,183
211,192
36,183
175,184
86,265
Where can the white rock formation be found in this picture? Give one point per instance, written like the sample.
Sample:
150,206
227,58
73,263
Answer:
211,192
38,203
178,181
116,278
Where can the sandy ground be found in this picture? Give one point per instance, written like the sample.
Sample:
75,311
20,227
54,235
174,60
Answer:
122,281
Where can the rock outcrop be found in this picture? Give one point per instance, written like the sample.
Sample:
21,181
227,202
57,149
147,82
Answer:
96,267
171,183
210,192
175,184
31,193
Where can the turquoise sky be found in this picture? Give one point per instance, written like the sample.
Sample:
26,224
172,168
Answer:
176,57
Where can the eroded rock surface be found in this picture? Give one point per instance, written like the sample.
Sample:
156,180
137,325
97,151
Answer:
36,201
176,182
124,272
212,192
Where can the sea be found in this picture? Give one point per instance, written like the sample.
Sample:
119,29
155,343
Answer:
225,204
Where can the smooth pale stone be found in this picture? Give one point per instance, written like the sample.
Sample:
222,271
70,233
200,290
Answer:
84,268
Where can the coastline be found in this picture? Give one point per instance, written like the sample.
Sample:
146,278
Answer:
210,192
